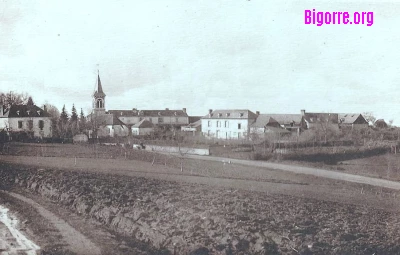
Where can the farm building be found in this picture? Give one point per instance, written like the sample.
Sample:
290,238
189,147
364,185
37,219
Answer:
352,121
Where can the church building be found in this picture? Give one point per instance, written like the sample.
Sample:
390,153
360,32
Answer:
114,123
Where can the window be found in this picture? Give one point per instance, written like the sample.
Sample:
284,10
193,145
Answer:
20,124
218,123
99,103
30,124
228,114
241,114
226,124
209,123
41,124
239,126
160,120
208,133
219,114
176,120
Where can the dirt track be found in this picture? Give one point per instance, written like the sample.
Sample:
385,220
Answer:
75,241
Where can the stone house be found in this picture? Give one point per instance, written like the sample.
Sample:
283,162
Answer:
26,118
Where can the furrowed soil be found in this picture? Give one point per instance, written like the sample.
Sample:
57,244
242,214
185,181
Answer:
168,217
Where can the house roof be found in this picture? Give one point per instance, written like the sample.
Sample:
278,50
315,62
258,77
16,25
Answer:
31,111
195,124
286,119
349,118
231,114
193,119
143,124
321,117
276,130
99,91
263,120
149,113
109,119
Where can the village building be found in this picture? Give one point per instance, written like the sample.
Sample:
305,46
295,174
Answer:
265,126
144,127
113,123
291,122
31,119
193,128
227,124
323,121
161,118
352,121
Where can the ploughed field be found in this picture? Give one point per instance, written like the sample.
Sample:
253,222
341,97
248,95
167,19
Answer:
166,217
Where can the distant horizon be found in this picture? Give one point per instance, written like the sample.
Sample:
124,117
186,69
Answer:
202,55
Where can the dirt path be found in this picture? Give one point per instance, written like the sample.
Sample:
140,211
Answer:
77,242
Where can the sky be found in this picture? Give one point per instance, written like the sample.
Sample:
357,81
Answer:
200,55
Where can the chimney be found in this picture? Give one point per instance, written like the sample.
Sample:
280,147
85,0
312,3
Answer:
134,109
167,109
258,113
45,108
303,112
209,111
184,110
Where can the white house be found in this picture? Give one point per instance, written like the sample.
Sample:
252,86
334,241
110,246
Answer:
227,124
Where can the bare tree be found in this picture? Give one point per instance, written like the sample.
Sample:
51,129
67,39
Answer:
369,117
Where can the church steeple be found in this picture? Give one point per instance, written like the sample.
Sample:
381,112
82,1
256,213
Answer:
99,98
99,92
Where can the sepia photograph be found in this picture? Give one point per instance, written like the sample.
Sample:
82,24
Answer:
213,127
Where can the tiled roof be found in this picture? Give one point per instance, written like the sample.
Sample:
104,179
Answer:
264,120
195,124
321,117
18,111
349,118
286,119
143,124
149,113
108,119
193,119
276,130
231,114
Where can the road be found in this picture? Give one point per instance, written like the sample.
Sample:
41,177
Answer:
306,170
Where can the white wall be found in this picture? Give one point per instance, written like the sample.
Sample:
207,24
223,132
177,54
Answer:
37,132
231,131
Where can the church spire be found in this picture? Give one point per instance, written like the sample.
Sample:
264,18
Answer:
99,92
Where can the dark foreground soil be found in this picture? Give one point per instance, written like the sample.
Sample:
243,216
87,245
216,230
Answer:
163,217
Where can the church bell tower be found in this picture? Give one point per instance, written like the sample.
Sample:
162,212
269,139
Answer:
99,99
